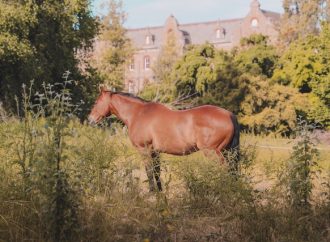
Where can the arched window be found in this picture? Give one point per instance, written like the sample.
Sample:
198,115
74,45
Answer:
146,62
254,23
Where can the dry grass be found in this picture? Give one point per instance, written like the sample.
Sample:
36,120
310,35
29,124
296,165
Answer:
201,201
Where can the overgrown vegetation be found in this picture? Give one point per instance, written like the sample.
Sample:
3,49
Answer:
64,181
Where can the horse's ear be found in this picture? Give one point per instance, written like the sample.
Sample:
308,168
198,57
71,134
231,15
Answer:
103,88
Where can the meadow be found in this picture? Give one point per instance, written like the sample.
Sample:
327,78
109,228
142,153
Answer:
99,190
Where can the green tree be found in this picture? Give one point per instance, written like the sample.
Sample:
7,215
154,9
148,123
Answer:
266,107
305,66
208,74
269,108
16,50
117,47
256,56
39,40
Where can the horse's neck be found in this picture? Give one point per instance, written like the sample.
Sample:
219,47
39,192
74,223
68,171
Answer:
125,108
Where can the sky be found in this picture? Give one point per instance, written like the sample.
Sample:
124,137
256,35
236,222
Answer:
147,13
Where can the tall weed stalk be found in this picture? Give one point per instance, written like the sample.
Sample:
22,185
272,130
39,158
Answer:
41,155
302,168
298,176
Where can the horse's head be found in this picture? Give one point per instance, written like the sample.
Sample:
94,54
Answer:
101,108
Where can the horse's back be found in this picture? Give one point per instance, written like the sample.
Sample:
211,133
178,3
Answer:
155,114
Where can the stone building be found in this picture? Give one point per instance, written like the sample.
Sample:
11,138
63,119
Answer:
223,34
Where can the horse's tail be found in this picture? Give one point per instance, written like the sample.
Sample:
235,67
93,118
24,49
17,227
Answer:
234,144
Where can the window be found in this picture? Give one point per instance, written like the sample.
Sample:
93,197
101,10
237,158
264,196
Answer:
131,64
146,62
220,33
148,40
130,87
254,23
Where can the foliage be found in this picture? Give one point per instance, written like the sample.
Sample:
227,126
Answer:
269,108
266,107
39,40
305,66
266,90
117,48
242,82
163,92
209,74
196,69
256,56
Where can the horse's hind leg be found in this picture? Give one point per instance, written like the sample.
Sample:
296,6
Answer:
218,150
156,169
228,156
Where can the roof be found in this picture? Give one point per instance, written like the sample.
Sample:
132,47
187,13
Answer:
272,16
204,32
138,36
198,33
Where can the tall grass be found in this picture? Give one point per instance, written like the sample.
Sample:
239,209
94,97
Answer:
61,180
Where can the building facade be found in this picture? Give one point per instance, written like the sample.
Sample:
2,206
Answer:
223,34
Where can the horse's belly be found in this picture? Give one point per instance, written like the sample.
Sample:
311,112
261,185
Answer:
174,147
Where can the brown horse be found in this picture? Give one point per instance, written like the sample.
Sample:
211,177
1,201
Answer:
153,128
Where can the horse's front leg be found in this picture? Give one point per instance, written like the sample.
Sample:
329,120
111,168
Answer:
150,174
148,164
152,166
156,169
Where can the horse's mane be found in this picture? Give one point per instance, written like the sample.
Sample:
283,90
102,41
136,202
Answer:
130,95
